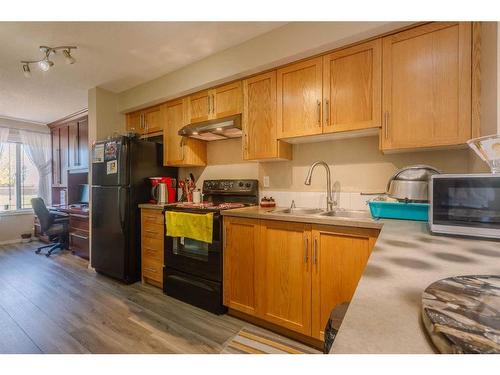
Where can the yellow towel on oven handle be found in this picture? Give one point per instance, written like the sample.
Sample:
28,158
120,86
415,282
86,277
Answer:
196,226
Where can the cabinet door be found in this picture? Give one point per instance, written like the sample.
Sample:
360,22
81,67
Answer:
352,88
427,86
259,120
300,99
64,154
56,157
83,143
241,243
172,142
134,122
73,147
152,120
284,275
200,106
226,100
339,256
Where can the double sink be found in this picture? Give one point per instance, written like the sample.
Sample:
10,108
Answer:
354,214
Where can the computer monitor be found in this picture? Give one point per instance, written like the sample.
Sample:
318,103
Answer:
84,194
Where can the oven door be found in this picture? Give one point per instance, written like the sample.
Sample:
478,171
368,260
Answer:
194,257
465,205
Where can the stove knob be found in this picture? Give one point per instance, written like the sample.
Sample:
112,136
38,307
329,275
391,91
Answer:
240,184
248,185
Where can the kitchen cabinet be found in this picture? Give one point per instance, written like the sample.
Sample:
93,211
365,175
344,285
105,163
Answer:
299,100
178,150
427,86
145,121
352,88
292,274
216,103
285,274
152,237
241,237
339,256
259,120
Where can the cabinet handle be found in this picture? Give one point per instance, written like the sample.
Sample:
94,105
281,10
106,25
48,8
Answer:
182,148
315,251
208,104
386,124
150,231
319,112
306,245
327,111
213,103
79,236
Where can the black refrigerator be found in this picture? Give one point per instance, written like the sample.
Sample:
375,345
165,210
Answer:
120,170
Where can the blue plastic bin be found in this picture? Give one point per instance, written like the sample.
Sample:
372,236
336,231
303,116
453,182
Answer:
399,210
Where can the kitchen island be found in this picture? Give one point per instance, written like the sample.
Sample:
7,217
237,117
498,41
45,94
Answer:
384,315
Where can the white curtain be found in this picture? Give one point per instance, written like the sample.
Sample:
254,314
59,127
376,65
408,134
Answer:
37,146
4,134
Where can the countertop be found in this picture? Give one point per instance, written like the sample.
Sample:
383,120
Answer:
153,206
384,315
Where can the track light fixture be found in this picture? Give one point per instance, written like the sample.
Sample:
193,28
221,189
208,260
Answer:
45,63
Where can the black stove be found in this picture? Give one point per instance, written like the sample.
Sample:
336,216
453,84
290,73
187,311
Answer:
193,269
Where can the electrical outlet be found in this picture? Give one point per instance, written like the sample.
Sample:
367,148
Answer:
266,181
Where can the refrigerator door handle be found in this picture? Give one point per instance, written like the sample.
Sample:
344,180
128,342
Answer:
121,204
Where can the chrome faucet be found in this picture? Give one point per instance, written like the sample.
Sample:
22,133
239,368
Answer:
330,202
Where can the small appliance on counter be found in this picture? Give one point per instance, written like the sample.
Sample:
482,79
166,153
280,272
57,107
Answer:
469,204
407,195
163,190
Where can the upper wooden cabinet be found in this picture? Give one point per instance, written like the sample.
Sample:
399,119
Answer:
427,86
145,121
178,150
259,120
352,88
299,100
339,256
285,274
215,103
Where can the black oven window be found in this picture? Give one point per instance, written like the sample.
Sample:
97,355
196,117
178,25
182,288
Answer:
191,248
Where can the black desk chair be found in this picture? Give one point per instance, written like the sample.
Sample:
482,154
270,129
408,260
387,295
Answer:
53,225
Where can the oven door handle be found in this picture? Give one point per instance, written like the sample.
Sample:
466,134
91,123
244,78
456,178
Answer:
189,281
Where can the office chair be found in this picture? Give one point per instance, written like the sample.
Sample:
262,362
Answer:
55,226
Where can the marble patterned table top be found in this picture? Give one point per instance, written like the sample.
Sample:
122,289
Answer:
462,314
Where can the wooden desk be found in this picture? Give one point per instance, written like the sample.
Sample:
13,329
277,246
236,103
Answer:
78,229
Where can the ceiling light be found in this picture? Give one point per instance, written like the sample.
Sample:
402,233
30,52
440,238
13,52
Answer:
45,65
26,70
67,57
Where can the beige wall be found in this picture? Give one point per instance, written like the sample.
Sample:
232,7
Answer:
288,43
104,118
21,124
11,226
356,163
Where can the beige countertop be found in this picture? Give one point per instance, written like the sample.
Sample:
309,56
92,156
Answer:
153,206
384,314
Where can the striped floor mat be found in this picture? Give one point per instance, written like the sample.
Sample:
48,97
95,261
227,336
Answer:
256,342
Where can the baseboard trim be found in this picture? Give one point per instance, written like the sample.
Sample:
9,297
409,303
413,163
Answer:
9,242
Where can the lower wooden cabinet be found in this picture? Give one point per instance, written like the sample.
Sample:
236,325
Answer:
292,274
152,237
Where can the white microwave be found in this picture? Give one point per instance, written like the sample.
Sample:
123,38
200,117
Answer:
465,204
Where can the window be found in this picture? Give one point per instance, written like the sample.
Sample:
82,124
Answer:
18,178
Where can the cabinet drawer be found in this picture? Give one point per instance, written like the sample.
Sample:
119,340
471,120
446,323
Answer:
150,254
79,244
152,217
152,269
153,231
152,243
77,222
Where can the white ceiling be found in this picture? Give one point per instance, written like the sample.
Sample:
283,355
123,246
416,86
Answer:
113,55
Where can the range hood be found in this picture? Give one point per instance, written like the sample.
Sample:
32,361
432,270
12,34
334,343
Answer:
214,130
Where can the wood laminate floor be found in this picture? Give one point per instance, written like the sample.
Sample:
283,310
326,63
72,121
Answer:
58,305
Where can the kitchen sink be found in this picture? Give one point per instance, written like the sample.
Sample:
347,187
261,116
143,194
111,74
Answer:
298,211
348,214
